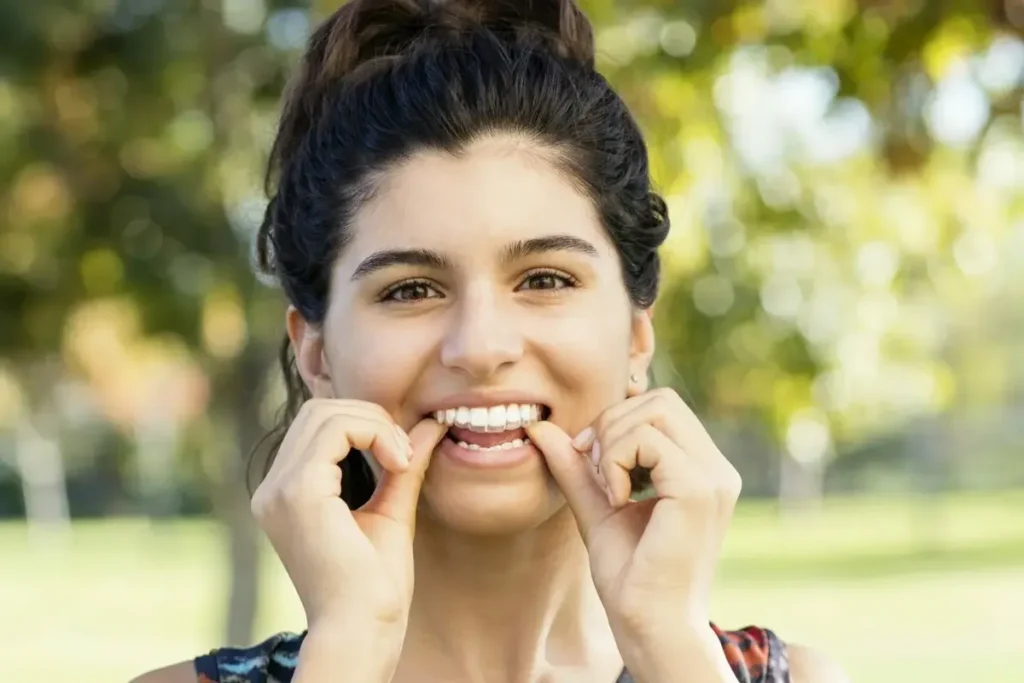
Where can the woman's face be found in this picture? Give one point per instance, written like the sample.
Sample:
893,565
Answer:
479,281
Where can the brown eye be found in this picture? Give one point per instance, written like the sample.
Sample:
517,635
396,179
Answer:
547,280
414,290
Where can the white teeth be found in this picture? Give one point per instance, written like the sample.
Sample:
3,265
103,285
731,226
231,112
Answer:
508,445
491,419
478,419
496,419
512,417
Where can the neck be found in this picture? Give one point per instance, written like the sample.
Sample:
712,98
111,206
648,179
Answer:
512,608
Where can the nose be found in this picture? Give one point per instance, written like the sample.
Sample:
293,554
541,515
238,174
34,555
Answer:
481,338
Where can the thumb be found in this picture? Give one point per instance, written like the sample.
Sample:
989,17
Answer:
572,471
398,493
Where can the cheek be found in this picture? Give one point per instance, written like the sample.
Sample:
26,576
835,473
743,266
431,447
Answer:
378,364
588,353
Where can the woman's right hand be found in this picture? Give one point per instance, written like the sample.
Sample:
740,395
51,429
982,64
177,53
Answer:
351,568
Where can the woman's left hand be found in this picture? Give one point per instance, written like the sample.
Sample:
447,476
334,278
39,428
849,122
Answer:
653,561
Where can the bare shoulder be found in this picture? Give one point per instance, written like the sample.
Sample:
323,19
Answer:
807,665
182,672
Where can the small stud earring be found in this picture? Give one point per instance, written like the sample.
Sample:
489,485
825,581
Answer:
634,379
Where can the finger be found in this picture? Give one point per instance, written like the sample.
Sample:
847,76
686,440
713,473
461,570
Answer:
318,465
666,411
389,444
362,409
334,440
325,451
586,438
573,473
318,478
397,493
673,473
294,450
656,410
296,440
354,407
693,436
672,416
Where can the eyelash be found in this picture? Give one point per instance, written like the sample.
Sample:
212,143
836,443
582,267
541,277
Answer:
568,281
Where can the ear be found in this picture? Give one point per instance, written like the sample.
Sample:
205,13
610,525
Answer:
308,343
641,349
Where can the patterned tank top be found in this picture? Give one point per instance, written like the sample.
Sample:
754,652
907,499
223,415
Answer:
756,655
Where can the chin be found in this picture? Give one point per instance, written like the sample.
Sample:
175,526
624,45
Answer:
492,507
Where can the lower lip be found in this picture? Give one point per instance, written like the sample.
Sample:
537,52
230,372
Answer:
496,459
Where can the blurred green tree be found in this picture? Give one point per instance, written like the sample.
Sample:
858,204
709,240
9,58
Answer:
132,141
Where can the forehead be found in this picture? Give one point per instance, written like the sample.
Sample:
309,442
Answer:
498,190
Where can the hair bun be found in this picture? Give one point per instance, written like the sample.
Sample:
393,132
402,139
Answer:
560,23
364,31
363,35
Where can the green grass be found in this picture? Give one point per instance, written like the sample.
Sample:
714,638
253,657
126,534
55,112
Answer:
896,590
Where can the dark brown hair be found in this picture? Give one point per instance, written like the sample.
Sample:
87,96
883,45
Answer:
383,79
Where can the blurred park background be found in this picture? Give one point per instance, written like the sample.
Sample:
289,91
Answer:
843,303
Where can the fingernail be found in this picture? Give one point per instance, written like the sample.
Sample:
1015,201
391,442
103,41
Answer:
611,497
583,439
595,453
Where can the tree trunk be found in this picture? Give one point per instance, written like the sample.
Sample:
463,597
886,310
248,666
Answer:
243,598
801,484
233,498
240,388
156,439
41,469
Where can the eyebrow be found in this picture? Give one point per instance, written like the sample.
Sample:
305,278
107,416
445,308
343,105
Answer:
512,252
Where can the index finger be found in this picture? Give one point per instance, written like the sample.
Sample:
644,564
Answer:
575,477
397,493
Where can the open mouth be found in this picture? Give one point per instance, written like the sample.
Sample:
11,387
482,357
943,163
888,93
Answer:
492,428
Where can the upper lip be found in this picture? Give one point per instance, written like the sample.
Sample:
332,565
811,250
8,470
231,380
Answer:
486,400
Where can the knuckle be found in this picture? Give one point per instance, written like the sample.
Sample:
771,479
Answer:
651,431
363,407
735,483
313,405
666,393
380,411
729,486
669,397
339,427
257,505
371,434
305,411
313,412
619,453
364,431
367,413
601,424
264,505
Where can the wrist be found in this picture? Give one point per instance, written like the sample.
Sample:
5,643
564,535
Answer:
674,652
659,626
362,652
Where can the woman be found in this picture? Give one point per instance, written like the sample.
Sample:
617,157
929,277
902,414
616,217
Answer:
463,222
